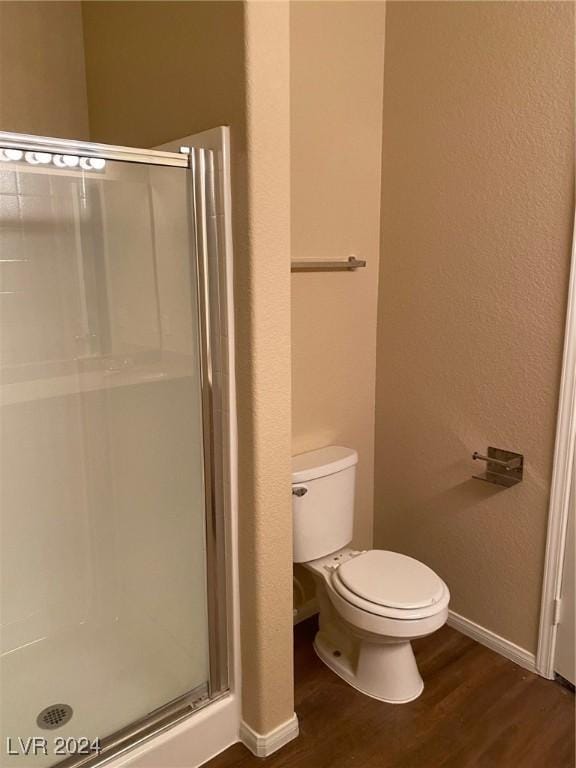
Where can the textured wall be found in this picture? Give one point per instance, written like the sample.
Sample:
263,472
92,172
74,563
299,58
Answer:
337,67
160,70
263,302
477,172
42,84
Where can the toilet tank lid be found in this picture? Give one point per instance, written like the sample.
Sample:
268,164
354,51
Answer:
322,462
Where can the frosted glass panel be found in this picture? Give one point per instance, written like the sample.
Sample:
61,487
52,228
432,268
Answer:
103,572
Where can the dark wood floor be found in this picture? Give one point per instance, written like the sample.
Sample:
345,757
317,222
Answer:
477,710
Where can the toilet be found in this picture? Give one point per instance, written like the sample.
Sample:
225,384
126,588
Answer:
372,603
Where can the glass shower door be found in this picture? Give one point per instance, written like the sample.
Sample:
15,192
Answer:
103,605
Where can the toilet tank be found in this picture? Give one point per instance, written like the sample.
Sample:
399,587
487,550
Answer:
322,501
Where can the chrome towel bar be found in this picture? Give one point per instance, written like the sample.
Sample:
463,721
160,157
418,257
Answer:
321,266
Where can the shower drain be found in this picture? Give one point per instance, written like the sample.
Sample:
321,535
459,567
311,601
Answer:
54,716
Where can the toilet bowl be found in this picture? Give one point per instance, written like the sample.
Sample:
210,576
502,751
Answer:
372,603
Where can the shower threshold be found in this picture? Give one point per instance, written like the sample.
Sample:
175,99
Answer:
127,739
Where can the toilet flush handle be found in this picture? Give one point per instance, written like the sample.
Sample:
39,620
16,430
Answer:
299,491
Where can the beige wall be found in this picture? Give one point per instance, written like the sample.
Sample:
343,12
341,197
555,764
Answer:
42,84
263,374
337,51
160,70
476,216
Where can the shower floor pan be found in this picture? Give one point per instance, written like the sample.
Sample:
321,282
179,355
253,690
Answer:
110,675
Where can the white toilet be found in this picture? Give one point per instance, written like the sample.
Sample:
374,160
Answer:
372,604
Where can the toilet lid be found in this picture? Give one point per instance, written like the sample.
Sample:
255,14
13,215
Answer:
391,579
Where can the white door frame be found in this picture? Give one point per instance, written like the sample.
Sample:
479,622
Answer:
561,484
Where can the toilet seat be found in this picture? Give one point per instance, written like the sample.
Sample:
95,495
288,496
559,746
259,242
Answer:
390,584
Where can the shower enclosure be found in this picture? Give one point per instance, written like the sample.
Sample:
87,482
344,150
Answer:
112,446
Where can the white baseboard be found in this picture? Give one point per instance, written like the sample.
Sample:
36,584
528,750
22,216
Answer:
491,640
265,744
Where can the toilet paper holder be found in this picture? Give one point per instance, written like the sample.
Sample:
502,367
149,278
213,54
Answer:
503,467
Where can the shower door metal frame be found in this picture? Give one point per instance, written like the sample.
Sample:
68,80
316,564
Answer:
204,207
29,143
200,164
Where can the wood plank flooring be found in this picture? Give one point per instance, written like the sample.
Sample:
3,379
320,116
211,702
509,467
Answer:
478,710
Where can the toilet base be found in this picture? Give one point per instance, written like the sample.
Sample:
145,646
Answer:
386,671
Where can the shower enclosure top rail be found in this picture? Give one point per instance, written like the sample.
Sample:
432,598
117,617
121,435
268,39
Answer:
29,143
